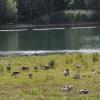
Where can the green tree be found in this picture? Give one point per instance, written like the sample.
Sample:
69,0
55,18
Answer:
75,4
7,11
30,9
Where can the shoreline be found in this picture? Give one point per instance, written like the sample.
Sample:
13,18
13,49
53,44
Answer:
25,27
45,52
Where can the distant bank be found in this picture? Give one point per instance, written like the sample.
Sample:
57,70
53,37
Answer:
24,27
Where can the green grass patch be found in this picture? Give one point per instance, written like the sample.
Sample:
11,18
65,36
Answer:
47,84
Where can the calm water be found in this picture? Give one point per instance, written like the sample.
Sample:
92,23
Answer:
63,39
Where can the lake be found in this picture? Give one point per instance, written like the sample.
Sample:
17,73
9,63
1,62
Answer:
50,39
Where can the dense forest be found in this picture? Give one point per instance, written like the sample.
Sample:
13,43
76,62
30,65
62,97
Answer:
48,11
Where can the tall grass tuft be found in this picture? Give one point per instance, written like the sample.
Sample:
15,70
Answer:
95,57
52,63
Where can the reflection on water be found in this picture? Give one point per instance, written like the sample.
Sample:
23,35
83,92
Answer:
86,38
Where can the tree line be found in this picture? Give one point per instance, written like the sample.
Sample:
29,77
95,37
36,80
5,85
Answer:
12,11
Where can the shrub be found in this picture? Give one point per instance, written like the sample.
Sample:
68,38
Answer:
95,57
52,63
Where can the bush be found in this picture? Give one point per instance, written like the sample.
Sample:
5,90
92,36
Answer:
52,63
95,57
78,15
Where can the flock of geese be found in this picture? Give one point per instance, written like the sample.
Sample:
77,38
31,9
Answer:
66,88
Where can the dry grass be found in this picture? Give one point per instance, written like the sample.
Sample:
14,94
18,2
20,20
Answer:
47,84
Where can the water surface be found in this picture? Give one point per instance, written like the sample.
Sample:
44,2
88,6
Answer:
50,39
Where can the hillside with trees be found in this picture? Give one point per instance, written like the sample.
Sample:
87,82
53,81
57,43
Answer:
49,11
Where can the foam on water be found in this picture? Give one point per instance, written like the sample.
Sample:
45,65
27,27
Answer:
85,27
43,29
12,30
41,52
49,29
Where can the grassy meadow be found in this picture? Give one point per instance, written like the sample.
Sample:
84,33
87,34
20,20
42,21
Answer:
47,84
